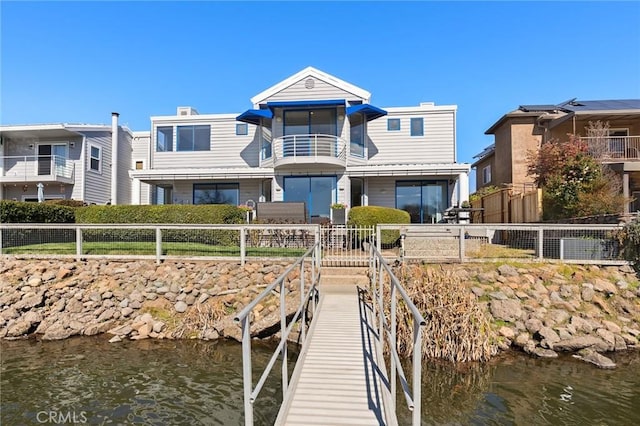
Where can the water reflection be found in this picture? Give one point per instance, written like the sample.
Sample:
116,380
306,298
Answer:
153,382
517,389
146,382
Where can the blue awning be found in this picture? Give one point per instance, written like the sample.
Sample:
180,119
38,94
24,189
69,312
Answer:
369,111
253,116
306,104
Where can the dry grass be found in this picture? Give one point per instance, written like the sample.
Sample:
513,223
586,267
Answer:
490,251
199,318
457,328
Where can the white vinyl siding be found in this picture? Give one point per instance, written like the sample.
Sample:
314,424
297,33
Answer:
321,91
227,148
98,186
437,145
140,152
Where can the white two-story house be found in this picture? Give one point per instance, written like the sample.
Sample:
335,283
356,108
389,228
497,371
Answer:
313,138
83,162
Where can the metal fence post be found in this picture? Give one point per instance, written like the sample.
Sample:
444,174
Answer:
158,244
78,243
540,244
0,242
243,246
461,248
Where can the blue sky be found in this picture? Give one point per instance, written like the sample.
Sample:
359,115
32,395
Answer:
79,61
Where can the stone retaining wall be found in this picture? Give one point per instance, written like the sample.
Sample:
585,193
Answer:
541,309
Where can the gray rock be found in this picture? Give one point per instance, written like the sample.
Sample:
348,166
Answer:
604,286
74,306
115,339
549,335
190,299
475,290
612,326
158,326
506,310
582,342
32,317
210,334
593,357
170,296
60,305
533,325
180,307
125,312
135,305
544,353
203,298
587,294
93,329
498,295
107,295
18,328
124,303
57,332
507,271
162,290
106,315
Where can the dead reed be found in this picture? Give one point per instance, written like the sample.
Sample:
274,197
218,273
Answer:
457,328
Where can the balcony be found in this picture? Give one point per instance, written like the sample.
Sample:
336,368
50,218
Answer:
36,168
305,150
614,148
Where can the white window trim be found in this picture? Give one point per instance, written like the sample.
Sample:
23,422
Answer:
618,129
89,168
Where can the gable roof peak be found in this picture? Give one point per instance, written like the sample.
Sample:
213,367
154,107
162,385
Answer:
306,73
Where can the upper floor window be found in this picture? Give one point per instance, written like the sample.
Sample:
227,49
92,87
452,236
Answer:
417,126
194,138
486,175
393,124
164,139
95,161
357,135
242,129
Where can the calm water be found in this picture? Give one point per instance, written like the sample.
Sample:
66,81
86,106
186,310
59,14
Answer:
190,382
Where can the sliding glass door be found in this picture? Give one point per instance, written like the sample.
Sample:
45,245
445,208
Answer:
424,200
318,192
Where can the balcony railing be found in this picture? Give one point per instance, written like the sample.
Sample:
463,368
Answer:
614,148
307,149
30,168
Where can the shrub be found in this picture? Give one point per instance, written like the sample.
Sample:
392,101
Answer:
374,215
629,239
164,214
22,212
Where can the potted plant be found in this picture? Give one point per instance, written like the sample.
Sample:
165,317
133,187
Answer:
338,216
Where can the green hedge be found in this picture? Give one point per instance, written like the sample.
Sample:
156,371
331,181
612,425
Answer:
168,213
374,215
214,214
22,212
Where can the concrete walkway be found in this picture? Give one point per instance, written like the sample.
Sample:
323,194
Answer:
336,380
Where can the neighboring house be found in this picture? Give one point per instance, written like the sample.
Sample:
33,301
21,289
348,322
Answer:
140,192
313,138
522,131
71,161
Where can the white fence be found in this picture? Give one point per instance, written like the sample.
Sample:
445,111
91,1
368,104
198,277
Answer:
340,246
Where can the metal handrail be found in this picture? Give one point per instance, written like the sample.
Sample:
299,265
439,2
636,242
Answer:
387,330
309,145
244,318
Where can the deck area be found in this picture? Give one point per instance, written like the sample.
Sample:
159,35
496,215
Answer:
338,377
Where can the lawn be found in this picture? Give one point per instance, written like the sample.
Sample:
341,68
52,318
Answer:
149,248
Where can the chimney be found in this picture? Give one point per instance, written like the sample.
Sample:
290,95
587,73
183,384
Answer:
114,158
